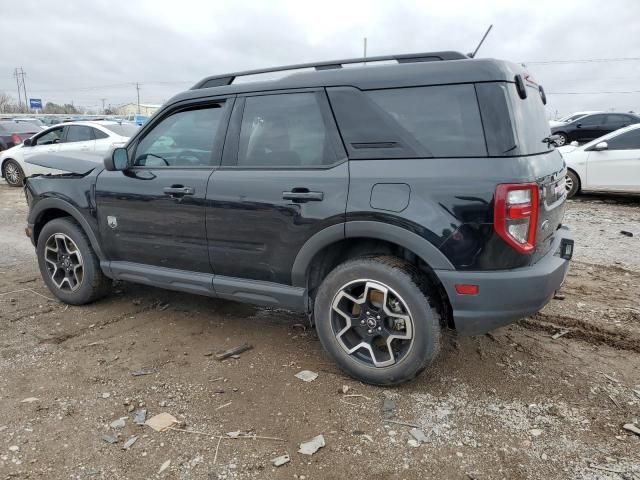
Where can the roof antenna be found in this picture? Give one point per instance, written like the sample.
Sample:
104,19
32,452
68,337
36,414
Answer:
473,55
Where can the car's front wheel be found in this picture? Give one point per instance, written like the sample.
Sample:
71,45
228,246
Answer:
561,139
13,173
375,317
68,264
572,183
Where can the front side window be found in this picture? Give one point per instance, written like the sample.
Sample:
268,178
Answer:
626,141
284,130
183,139
51,137
78,133
591,120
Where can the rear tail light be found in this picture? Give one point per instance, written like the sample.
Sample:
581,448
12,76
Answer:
516,215
15,138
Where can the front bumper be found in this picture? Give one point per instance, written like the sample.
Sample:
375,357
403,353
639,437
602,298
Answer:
507,295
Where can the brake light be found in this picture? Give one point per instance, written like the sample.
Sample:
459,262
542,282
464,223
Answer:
15,138
515,215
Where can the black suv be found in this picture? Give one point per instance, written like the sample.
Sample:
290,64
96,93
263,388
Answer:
390,203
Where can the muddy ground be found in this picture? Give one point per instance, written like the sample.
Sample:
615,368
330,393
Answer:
513,404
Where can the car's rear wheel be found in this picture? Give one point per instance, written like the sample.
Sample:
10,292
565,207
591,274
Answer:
561,139
375,317
572,183
68,264
13,173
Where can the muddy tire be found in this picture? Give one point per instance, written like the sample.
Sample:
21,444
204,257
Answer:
376,318
562,139
13,173
68,264
572,183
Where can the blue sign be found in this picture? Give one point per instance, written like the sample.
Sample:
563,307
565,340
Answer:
35,103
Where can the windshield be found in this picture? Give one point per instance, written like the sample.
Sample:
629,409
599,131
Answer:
123,129
15,127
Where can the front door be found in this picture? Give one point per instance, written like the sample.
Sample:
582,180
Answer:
590,127
46,142
284,177
617,167
154,212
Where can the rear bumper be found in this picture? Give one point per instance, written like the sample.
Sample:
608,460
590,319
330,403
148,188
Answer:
506,295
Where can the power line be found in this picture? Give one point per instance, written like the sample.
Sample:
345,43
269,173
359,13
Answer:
590,60
593,93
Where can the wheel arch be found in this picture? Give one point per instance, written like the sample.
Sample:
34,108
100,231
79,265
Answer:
338,243
575,172
51,208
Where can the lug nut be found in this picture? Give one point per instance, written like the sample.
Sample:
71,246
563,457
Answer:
378,317
370,331
361,322
379,329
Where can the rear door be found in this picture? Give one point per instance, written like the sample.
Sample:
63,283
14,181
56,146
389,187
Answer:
284,177
154,212
78,138
590,127
617,167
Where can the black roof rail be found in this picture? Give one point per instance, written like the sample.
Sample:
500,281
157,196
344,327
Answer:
228,78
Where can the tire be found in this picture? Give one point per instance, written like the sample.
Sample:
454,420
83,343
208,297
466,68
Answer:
13,173
562,139
77,286
573,183
413,301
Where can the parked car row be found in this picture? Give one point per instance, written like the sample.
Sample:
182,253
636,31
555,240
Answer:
584,126
91,137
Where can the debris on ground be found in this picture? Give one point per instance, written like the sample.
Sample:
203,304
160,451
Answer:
106,395
233,351
162,421
119,423
111,439
559,296
626,233
164,466
535,432
129,443
281,460
630,427
345,389
388,407
418,435
312,446
143,371
140,417
30,400
306,375
556,336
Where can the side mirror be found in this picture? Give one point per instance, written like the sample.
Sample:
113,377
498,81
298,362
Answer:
578,125
601,146
117,160
28,142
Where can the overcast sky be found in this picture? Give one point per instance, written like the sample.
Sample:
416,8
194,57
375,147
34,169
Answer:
83,51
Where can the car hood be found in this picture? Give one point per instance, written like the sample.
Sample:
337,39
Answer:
555,123
74,162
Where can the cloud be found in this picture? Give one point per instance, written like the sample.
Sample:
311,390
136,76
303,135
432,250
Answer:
85,51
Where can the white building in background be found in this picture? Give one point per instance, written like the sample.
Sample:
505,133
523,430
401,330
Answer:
127,109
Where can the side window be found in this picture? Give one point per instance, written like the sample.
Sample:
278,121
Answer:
618,119
51,137
78,133
183,139
99,134
591,120
626,141
284,130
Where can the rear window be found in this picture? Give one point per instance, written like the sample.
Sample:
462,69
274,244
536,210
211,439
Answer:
124,129
15,127
513,126
445,120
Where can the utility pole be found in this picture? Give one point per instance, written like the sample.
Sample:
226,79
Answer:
103,100
19,73
138,91
15,74
365,50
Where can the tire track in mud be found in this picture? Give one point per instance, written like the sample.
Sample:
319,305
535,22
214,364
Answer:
582,330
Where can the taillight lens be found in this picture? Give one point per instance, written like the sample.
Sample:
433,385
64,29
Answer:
15,138
516,215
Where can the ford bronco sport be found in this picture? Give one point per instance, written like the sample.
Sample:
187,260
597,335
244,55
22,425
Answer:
391,203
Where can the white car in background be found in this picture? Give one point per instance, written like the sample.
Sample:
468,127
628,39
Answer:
571,118
90,137
610,163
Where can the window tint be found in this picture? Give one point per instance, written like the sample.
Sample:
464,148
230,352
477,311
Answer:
78,133
52,136
617,118
445,120
18,127
99,134
284,130
592,120
184,139
123,129
626,141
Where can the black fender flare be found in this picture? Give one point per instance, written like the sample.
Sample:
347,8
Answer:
424,249
58,204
